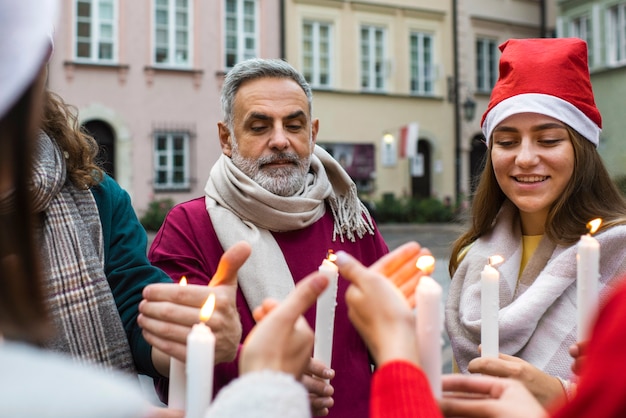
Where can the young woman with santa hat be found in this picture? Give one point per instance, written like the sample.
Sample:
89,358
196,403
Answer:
543,182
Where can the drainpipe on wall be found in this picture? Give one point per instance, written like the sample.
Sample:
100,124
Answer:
282,29
457,115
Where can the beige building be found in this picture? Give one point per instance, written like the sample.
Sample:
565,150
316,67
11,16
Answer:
482,26
377,67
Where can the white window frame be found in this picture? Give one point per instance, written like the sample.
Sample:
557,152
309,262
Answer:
616,35
172,28
422,63
313,58
372,78
581,27
95,36
242,37
486,64
168,154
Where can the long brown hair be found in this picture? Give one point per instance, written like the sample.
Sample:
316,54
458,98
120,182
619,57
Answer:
23,312
60,122
590,193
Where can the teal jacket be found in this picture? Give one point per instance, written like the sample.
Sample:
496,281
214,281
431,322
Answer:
126,265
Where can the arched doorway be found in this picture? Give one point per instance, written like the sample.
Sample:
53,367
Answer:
105,137
420,170
477,160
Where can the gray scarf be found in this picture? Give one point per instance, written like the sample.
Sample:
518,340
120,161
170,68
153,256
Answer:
240,209
80,299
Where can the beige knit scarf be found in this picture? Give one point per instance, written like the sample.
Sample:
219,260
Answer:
88,324
240,209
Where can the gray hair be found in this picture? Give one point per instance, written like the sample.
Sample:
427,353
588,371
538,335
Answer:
253,69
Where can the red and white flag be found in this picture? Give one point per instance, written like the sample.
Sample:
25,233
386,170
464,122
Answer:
408,140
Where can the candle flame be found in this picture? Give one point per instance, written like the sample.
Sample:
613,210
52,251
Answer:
183,281
207,308
494,260
426,263
593,225
331,256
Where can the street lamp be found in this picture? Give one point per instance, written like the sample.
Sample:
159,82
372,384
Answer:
469,109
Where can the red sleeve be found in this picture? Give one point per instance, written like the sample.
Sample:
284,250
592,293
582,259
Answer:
186,244
601,392
400,390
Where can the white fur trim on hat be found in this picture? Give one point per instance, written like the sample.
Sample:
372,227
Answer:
25,26
544,104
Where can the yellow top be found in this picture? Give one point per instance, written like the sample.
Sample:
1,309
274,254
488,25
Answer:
529,245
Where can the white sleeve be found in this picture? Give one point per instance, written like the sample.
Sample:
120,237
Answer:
262,394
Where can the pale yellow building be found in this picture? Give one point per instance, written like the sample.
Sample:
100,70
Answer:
376,67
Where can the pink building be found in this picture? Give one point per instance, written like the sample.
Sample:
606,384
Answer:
146,75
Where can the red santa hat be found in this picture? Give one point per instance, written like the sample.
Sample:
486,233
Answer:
546,76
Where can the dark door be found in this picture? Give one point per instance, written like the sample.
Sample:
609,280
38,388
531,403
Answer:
420,169
104,136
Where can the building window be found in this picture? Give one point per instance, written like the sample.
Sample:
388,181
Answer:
616,48
373,58
422,65
580,27
171,160
316,53
172,33
241,31
486,64
96,30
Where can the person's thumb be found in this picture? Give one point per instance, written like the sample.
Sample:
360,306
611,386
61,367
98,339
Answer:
303,296
350,268
230,263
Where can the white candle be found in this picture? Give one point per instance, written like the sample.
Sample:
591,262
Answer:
489,309
178,380
587,275
200,362
429,326
325,313
177,385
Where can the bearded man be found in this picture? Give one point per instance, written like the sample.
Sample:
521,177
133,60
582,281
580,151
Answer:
274,188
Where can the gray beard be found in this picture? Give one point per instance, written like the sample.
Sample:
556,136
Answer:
282,181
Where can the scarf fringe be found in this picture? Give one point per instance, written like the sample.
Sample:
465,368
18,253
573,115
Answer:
351,216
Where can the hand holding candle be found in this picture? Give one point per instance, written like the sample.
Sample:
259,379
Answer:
587,275
200,362
325,312
490,308
429,324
